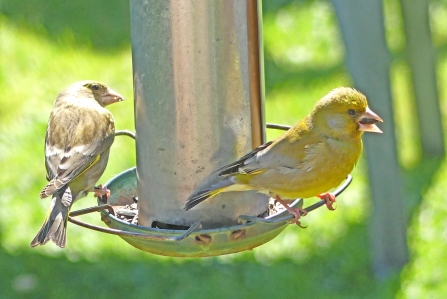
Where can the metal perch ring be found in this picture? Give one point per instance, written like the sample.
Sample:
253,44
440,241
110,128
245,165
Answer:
192,241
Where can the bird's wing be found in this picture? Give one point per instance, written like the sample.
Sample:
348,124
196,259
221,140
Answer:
289,151
240,166
64,164
283,153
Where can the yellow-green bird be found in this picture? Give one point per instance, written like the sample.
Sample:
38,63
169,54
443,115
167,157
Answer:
79,135
308,160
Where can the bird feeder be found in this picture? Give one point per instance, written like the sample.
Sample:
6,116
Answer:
198,86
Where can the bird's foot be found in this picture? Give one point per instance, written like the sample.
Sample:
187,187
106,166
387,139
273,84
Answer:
329,198
101,191
297,212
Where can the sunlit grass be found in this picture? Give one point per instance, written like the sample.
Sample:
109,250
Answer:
304,61
33,71
424,276
297,35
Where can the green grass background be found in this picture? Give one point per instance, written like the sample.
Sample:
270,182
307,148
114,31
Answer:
47,45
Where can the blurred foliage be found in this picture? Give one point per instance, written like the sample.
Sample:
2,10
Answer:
47,45
93,24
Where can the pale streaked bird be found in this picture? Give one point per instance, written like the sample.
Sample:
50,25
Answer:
79,135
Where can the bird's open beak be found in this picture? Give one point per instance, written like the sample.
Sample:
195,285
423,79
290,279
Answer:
110,97
368,121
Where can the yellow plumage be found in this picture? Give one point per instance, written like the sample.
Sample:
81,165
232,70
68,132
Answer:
311,158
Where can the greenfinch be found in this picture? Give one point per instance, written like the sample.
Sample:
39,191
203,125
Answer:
79,135
308,160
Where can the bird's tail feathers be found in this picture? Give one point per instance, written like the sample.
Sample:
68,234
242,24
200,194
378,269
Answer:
55,225
205,193
52,187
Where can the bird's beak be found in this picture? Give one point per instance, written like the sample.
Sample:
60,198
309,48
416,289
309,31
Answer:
111,96
368,121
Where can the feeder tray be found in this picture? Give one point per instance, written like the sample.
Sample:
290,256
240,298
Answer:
192,241
181,241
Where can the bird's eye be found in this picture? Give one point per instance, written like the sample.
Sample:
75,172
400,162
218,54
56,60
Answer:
351,112
94,86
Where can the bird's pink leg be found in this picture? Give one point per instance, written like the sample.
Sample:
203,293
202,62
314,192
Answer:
297,212
329,198
101,191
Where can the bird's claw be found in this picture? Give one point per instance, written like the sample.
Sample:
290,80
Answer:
297,213
329,198
101,191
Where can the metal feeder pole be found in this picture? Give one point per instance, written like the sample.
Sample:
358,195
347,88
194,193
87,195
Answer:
198,104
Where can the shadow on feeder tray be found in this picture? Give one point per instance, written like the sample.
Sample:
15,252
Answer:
184,241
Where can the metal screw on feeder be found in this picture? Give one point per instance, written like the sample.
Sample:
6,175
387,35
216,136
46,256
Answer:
198,105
